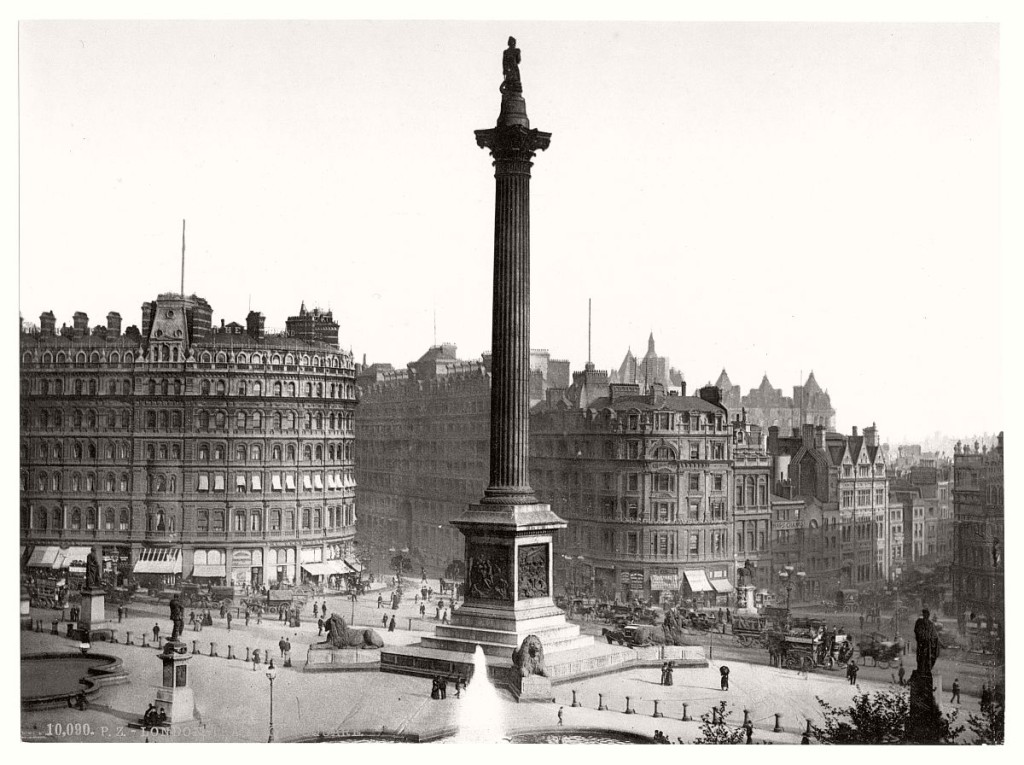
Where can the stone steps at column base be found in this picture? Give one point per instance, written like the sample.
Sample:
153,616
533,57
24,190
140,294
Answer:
584,661
552,634
504,649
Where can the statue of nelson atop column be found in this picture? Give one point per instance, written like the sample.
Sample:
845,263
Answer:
510,59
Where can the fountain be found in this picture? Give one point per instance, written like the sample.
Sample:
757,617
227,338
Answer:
480,715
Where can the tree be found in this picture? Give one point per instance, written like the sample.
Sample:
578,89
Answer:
718,731
988,726
874,718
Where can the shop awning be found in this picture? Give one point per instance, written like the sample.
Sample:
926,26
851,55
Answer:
218,482
43,557
158,560
339,566
206,569
307,483
318,481
330,480
698,580
353,564
289,482
66,557
275,482
257,482
318,569
722,585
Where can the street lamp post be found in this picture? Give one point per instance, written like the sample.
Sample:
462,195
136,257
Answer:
786,575
271,674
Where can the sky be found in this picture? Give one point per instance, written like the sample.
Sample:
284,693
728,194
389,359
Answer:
765,198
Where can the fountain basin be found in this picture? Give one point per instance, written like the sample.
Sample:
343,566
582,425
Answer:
52,679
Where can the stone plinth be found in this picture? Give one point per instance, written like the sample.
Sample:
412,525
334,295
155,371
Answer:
924,725
93,609
174,697
745,600
535,688
339,659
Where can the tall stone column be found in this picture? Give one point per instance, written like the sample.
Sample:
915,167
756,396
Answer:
513,145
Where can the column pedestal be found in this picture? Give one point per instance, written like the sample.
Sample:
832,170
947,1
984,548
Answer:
92,619
174,697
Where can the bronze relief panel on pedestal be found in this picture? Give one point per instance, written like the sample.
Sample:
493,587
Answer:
489,574
533,571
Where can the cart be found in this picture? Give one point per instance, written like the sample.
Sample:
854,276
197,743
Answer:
882,652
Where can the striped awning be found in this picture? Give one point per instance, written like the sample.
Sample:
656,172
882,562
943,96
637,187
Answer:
70,555
158,560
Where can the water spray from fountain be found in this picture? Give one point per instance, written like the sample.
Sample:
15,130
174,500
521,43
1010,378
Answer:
480,715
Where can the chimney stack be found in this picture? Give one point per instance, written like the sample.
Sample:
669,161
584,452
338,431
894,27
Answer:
47,323
114,324
81,323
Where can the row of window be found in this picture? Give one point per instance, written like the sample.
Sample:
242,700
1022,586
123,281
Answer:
863,497
864,471
206,388
204,357
278,482
207,521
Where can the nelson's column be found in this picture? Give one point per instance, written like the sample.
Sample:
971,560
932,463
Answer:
509,533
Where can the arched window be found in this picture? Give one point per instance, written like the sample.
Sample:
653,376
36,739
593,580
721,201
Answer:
257,420
125,420
177,385
164,420
241,389
240,452
161,483
204,420
291,452
150,419
739,491
123,483
277,389
90,518
123,522
275,520
277,421
319,390
76,451
150,452
152,387
319,421
317,516
108,520
291,389
40,519
176,451
90,482
110,451
92,451
240,420
289,420
78,387
112,388
111,419
221,387
55,482
750,491
108,483
76,482
309,390
289,520
76,519
58,518
319,452
204,388
240,520
257,389
165,387
255,521
307,453
762,491
176,419
330,452
77,418
256,452
221,419
276,453
305,518
92,387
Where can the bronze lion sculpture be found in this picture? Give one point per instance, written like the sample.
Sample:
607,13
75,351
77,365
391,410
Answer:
529,657
340,635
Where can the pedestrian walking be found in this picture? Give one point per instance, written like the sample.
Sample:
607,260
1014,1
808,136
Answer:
444,617
852,671
380,601
259,616
120,614
728,616
724,672
255,658
192,617
391,625
901,674
222,610
437,614
316,609
748,728
287,652
384,622
668,674
986,697
435,688
416,599
664,674
423,609
247,616
444,687
156,633
561,712
320,626
229,621
956,691
281,645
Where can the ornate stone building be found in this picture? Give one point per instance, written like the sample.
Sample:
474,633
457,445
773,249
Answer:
979,543
767,407
842,482
188,451
646,483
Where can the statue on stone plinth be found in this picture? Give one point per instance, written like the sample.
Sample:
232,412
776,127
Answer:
177,618
528,659
510,68
927,638
93,572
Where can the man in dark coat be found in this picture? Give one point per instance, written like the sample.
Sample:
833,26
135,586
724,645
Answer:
724,672
391,625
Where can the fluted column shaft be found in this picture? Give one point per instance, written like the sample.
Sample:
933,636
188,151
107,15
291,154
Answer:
512,148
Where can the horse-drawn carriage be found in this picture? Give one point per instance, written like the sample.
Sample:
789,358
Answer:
751,630
807,650
882,652
632,635
848,601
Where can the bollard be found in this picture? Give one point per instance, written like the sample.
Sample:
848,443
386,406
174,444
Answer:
575,703
808,731
195,646
128,637
686,712
266,656
629,709
778,724
213,649
231,652
714,715
746,717
248,655
656,712
54,630
600,703
410,625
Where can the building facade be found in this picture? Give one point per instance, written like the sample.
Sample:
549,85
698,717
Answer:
767,407
646,483
843,482
978,552
187,451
